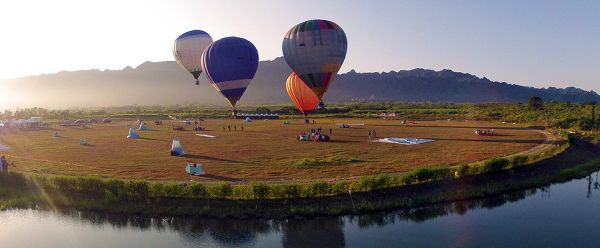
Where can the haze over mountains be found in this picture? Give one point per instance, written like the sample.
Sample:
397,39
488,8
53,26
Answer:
166,83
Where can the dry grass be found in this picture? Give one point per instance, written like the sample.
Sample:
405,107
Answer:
265,151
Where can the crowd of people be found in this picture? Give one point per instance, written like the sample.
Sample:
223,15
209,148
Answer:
485,132
315,134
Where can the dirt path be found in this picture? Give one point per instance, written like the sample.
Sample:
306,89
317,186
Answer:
551,141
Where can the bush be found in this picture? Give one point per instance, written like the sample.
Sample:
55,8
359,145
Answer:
115,187
340,187
65,183
286,191
174,190
461,170
373,182
316,189
519,160
260,190
156,190
198,190
90,184
138,188
495,164
221,190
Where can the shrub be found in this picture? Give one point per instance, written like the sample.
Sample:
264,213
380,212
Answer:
198,190
174,190
221,190
115,186
495,164
156,190
286,191
373,182
90,184
64,183
461,170
340,187
316,189
260,190
440,173
519,160
138,188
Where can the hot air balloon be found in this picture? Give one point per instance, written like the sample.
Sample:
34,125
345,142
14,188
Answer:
315,50
230,64
305,99
188,49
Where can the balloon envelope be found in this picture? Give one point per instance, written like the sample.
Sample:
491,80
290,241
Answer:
315,50
188,49
230,64
304,98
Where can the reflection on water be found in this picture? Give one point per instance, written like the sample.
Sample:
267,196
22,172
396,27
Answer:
555,216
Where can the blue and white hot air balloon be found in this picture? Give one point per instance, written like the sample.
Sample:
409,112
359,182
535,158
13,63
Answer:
230,64
188,49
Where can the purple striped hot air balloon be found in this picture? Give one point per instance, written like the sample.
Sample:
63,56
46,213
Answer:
230,64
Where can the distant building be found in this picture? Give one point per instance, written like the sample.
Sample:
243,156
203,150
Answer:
257,116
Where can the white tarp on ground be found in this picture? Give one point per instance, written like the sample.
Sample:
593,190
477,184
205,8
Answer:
176,148
404,141
206,135
132,134
3,148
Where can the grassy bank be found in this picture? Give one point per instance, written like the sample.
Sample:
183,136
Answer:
419,187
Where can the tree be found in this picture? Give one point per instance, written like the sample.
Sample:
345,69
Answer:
535,103
593,104
263,110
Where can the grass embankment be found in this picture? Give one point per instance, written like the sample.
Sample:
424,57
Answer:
418,187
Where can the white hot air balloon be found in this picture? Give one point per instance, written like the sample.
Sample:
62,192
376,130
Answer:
188,49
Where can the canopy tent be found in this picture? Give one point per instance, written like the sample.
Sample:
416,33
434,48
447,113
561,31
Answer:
83,142
132,134
176,148
143,127
248,119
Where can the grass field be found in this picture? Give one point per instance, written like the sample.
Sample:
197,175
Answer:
264,151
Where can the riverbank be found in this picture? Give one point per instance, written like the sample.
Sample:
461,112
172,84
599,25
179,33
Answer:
139,197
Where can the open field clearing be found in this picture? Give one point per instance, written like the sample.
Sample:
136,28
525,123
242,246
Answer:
264,151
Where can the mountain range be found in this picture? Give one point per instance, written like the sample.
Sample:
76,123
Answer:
167,83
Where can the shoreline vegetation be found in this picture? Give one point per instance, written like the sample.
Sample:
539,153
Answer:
366,194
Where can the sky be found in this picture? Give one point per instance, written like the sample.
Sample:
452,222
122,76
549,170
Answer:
534,43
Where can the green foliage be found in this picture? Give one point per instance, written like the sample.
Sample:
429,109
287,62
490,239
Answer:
220,190
535,103
260,190
198,190
519,160
137,188
495,164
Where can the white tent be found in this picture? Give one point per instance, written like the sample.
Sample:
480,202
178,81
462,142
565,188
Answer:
143,127
176,148
248,119
132,134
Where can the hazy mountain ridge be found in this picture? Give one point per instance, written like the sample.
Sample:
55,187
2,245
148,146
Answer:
166,83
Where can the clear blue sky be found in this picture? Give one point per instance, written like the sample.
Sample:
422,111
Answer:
537,43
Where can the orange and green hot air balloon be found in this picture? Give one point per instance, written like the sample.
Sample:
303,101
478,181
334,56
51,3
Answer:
303,97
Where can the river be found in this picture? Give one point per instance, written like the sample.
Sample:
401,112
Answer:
559,215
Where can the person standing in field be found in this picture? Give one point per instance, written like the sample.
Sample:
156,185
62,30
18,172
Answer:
369,134
3,165
234,127
242,128
330,131
229,128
